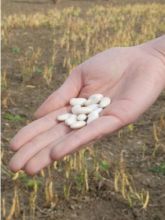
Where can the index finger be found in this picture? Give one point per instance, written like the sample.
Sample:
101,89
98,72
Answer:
61,97
35,128
93,131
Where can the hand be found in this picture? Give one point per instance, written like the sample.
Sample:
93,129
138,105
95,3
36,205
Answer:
133,77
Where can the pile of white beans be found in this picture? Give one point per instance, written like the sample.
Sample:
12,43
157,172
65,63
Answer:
84,111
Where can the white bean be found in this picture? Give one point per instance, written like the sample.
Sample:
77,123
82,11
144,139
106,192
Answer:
96,98
63,117
81,117
78,124
83,109
98,110
71,119
93,106
92,116
77,101
77,109
105,102
88,102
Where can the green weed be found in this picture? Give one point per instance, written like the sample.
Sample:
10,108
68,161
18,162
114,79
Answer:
158,169
14,117
15,50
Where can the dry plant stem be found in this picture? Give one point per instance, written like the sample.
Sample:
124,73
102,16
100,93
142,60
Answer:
78,40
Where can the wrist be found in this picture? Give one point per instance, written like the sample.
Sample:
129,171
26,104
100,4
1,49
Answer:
156,47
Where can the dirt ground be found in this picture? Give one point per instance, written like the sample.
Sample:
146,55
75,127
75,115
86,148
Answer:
100,203
31,6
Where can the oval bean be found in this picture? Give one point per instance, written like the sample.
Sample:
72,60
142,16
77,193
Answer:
92,116
71,120
88,102
105,102
77,109
93,107
63,117
98,110
96,98
77,101
81,117
78,124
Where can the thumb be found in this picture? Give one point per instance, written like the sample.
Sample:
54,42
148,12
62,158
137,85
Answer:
70,88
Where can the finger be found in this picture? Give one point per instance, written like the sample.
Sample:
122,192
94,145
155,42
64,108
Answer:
95,130
34,128
41,160
61,97
35,145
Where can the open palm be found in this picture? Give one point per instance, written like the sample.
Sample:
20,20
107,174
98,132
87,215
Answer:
132,77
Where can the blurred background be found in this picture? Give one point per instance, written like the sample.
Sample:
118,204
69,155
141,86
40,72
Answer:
120,177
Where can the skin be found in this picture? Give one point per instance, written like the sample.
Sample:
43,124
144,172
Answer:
132,76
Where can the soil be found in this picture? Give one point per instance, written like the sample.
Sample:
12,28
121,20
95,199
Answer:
31,6
100,203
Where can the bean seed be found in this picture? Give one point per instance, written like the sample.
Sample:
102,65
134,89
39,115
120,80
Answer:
77,101
88,102
105,102
63,117
96,98
98,110
77,109
92,116
81,117
83,109
93,107
71,120
78,124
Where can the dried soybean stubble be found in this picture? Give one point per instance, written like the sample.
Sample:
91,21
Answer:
84,111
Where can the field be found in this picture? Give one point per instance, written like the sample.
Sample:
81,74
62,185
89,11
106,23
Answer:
120,177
